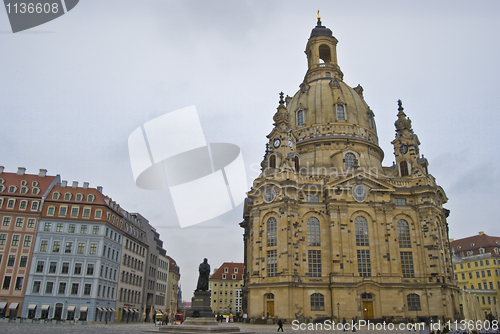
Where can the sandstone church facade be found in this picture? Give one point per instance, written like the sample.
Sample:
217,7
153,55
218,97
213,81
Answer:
328,231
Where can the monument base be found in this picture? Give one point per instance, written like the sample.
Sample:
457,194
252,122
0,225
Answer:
201,319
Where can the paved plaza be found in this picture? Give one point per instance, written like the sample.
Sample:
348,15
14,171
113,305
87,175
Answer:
24,328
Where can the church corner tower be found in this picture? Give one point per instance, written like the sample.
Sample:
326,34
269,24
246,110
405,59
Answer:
328,231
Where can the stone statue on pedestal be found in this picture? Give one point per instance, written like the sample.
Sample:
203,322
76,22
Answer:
204,270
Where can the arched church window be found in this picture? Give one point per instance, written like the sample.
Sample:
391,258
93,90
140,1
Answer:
349,159
361,227
300,117
317,302
272,161
413,302
324,53
328,75
340,112
297,166
404,234
313,232
403,165
272,233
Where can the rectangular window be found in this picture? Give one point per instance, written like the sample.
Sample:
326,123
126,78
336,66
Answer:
86,213
19,222
49,287
312,199
470,275
34,206
463,276
364,267
3,239
63,210
81,248
47,227
11,203
65,268
51,210
74,211
83,229
69,247
62,288
31,223
98,214
71,228
95,230
90,269
300,117
56,247
36,286
78,268
15,240
39,266
407,264
52,267
11,261
27,240
74,289
19,283
6,221
6,283
314,263
400,201
488,272
483,274
59,227
477,274
23,262
461,266
86,289
93,249
272,263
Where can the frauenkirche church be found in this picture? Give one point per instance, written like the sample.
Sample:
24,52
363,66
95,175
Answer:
328,231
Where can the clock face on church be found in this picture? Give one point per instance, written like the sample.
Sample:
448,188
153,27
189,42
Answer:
290,143
277,143
403,149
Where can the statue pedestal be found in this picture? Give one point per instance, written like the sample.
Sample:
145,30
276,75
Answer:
201,319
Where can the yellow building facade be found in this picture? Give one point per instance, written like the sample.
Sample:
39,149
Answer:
476,262
225,285
328,231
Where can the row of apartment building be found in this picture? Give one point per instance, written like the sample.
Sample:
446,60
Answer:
70,252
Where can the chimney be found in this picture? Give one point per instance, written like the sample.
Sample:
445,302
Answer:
64,183
1,169
85,185
42,173
21,170
99,189
481,232
75,184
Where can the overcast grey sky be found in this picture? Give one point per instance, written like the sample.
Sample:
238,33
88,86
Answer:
73,90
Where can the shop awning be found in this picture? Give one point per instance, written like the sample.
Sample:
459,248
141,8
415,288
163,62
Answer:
13,306
32,307
2,305
125,309
71,308
136,310
45,307
99,308
112,309
84,308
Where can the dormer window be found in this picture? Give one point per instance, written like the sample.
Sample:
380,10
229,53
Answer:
35,190
12,189
67,196
24,190
340,112
469,253
24,182
90,198
79,197
349,159
34,183
235,270
226,270
56,195
300,117
481,250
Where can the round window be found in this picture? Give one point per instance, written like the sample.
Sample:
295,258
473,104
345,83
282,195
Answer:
269,195
359,192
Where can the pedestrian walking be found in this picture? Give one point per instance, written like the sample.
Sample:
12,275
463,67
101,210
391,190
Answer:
280,325
344,322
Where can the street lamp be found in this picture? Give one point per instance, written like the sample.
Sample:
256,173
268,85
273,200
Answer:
338,312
